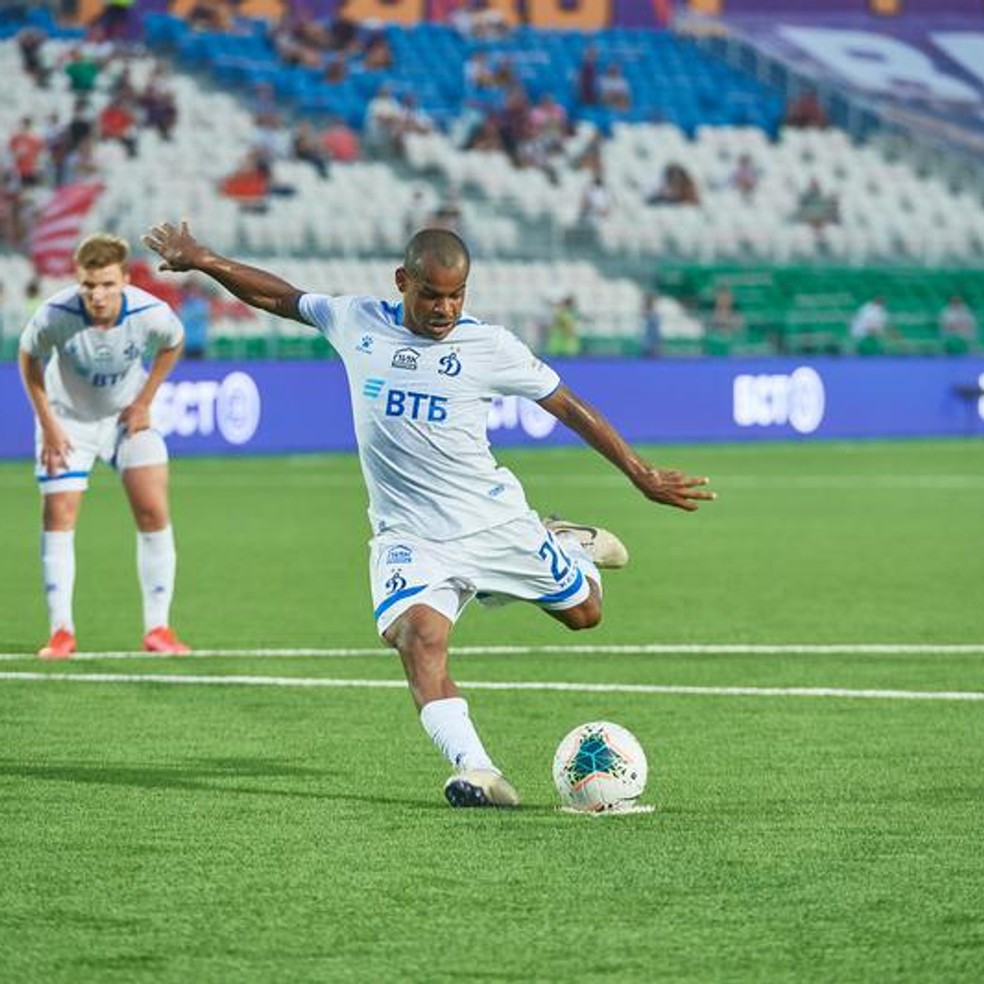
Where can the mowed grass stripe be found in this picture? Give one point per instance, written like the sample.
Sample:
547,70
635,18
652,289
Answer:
656,649
515,685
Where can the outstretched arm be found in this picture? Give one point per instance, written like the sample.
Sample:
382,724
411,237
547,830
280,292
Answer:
180,251
672,488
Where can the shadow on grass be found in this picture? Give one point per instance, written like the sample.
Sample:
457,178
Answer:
208,775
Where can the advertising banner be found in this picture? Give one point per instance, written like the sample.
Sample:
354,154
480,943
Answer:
216,408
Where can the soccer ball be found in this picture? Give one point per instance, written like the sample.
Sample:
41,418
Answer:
599,766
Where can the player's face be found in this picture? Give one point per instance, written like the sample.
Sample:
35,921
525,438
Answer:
102,293
432,302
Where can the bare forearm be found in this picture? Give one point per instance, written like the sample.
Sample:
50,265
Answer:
160,369
32,375
594,428
258,288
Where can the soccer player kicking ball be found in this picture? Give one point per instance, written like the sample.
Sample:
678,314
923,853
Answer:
449,524
81,359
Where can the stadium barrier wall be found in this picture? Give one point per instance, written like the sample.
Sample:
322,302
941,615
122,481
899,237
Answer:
219,408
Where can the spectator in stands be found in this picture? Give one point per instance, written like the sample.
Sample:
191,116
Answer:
117,122
806,112
587,77
82,69
745,177
30,42
340,141
115,19
194,313
336,70
676,187
160,108
613,89
12,206
475,19
596,204
81,126
378,55
486,136
82,163
384,122
870,326
28,149
343,35
958,325
816,208
212,15
652,326
249,184
563,331
724,317
479,74
449,215
306,146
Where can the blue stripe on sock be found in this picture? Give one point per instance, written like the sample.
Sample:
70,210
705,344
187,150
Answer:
54,478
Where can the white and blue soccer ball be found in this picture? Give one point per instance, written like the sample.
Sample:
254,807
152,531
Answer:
600,767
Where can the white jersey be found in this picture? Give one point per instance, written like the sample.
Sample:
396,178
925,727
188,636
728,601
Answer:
421,409
95,372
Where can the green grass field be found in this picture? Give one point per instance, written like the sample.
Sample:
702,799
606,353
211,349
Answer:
277,816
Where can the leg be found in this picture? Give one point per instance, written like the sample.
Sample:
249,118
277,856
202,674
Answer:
146,488
586,615
59,515
421,635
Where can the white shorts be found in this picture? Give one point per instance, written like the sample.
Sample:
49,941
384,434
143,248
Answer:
104,438
520,559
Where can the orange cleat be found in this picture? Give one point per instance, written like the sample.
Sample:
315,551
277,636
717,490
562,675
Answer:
163,640
61,645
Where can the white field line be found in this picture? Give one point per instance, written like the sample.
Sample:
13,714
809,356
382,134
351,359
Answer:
600,688
656,649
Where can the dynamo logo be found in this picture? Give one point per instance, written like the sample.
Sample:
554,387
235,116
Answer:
797,400
200,407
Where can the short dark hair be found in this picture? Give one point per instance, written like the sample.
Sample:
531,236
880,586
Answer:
442,246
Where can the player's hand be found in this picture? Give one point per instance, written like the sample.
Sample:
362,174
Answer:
135,418
55,448
176,246
674,488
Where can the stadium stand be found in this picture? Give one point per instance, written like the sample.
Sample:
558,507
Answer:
802,225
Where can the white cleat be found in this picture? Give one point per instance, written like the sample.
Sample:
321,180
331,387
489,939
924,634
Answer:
480,787
601,545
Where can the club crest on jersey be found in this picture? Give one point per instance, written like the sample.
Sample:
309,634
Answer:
365,344
397,582
450,364
132,351
405,358
399,554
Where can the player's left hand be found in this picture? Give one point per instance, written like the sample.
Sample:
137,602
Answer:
135,418
674,488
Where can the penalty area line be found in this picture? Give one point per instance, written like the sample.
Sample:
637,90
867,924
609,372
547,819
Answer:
655,649
587,688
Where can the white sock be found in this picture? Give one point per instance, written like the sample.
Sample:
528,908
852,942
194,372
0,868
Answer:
58,571
156,564
451,729
574,550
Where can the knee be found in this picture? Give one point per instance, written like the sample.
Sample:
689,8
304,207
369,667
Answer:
585,616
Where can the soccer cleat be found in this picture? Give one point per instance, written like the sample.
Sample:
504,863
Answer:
480,787
163,640
61,645
601,545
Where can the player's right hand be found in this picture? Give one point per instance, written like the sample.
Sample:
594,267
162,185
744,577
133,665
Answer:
674,488
177,247
55,449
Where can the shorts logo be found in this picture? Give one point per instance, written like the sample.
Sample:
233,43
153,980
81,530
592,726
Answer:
399,555
365,344
373,387
397,582
450,364
405,358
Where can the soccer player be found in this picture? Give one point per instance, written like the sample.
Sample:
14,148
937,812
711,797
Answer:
81,359
448,523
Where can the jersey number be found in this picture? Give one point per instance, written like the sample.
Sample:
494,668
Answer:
559,562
